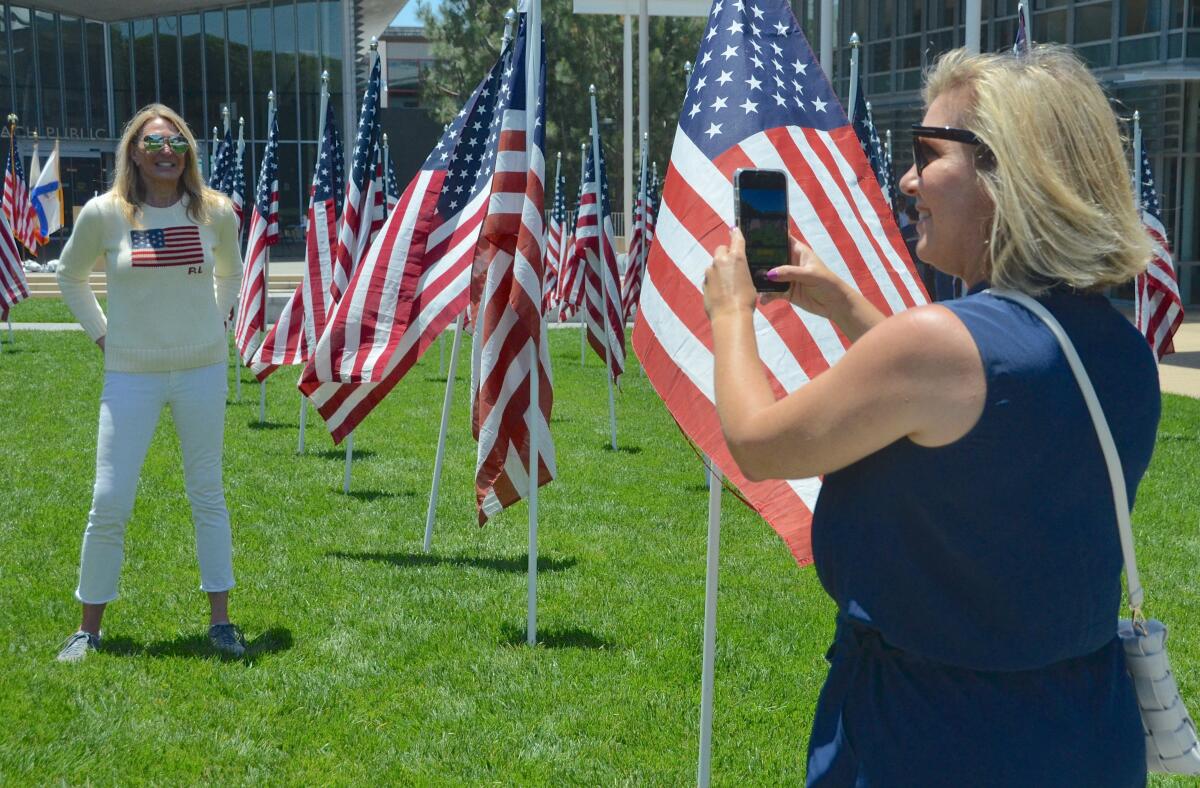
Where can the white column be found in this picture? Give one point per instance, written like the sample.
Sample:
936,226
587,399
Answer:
643,69
973,21
827,32
627,126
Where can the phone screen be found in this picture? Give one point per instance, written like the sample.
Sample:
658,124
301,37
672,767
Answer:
762,218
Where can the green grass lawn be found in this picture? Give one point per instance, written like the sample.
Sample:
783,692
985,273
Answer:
45,310
373,662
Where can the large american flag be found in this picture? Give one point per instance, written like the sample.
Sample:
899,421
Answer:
509,327
17,203
13,288
639,246
415,278
1158,309
570,270
166,247
595,238
304,315
757,98
555,239
868,137
363,210
264,233
237,181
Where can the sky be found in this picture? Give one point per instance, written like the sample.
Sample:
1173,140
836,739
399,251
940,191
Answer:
408,17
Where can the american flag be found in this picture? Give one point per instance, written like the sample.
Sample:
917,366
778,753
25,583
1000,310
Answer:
166,247
222,176
868,137
303,317
757,98
639,246
595,237
1021,40
393,185
1158,307
415,278
555,238
510,327
12,274
17,203
363,210
570,270
237,182
264,233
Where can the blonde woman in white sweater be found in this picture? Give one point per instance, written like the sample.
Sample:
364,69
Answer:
170,250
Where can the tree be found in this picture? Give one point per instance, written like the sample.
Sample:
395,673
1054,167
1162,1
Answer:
581,49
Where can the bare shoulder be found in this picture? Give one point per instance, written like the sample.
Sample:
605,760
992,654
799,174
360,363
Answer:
929,334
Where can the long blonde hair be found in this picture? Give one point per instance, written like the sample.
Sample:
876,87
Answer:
128,189
1058,177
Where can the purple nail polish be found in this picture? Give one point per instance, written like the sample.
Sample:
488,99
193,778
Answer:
772,275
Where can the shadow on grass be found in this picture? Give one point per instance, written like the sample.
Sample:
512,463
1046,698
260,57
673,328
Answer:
271,641
441,378
375,495
268,425
570,637
697,488
1175,436
626,449
517,564
339,453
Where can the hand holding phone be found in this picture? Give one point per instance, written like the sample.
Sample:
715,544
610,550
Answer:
760,205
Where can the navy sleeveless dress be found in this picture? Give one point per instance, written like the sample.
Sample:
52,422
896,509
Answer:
978,584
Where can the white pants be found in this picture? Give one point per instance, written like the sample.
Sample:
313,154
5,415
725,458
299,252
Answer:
129,408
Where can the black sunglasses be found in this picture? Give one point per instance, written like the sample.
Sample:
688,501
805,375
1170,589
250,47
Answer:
921,153
153,143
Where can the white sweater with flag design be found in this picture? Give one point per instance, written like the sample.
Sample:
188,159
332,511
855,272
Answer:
164,312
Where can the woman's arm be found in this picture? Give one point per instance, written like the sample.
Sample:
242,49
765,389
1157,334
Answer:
917,375
814,288
227,271
83,250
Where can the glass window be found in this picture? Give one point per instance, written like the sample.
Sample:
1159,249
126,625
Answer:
942,13
47,49
290,195
1093,23
1096,55
879,57
1176,17
25,102
74,82
1004,32
215,89
883,21
191,56
1006,7
264,66
144,88
168,61
97,85
1140,16
910,16
1038,5
6,80
910,52
1050,26
1138,50
879,84
331,50
309,62
118,34
1175,46
939,42
285,71
239,73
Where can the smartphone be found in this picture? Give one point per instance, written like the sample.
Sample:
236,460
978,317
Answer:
760,205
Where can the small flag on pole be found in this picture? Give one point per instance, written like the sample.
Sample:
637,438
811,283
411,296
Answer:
13,288
17,206
47,198
1158,308
555,240
264,233
595,238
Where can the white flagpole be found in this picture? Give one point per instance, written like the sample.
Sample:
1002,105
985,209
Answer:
237,366
349,460
1137,199
262,384
303,422
321,136
578,208
212,155
431,512
534,421
710,628
600,266
854,53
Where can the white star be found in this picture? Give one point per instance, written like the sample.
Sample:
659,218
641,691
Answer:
779,99
470,157
717,9
713,130
458,190
754,31
749,106
796,86
695,110
462,112
757,63
775,63
712,31
707,57
739,5
453,204
729,52
778,50
700,83
778,81
801,68
735,27
758,14
781,28
477,126
726,76
756,46
754,83
819,105
719,103
799,103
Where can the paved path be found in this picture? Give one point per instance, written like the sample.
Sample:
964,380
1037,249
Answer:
1179,373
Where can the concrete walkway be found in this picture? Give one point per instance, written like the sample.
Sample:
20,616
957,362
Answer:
1179,373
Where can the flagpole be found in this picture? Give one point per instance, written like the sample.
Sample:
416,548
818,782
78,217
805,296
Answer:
1137,199
237,366
431,512
601,268
324,108
712,564
349,460
262,384
855,44
534,422
583,285
303,422
212,154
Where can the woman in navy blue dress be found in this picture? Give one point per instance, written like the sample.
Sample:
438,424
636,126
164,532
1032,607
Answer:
965,526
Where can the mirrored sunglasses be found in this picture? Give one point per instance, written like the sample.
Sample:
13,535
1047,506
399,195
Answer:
921,151
153,143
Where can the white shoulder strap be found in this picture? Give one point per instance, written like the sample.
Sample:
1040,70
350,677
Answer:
1111,458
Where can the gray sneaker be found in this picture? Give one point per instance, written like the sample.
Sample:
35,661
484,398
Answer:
77,647
227,639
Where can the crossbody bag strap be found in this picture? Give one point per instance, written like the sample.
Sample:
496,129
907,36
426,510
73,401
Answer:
1111,458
